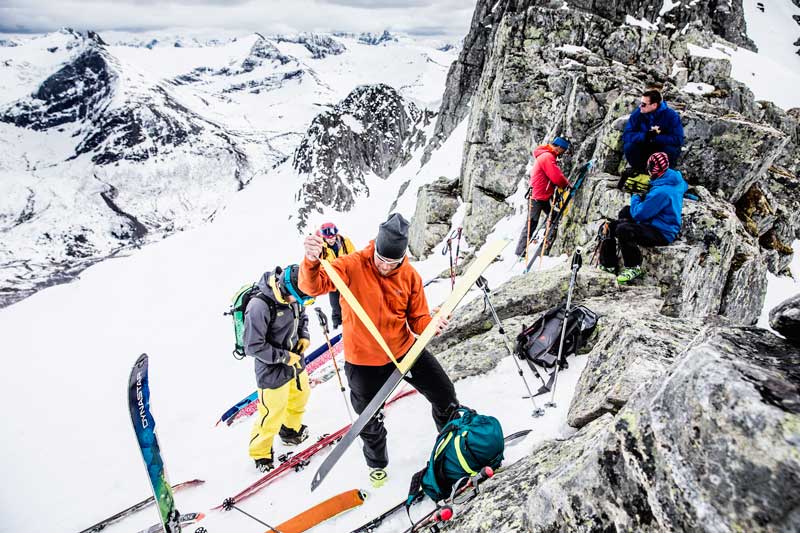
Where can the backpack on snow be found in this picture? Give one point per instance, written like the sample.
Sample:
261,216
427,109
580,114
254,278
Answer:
466,444
538,343
239,303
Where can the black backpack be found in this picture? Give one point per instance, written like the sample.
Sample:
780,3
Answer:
538,343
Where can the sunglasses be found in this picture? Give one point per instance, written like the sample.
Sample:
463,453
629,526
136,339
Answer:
387,261
642,104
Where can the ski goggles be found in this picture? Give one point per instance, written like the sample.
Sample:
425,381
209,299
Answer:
387,261
287,282
330,231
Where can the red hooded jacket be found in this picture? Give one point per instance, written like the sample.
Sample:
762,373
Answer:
546,175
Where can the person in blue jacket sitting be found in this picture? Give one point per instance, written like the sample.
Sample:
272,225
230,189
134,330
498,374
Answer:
653,219
652,127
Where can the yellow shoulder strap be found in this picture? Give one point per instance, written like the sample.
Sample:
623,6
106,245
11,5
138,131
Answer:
356,307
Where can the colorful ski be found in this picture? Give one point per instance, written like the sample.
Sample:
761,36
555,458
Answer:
136,507
491,251
376,522
315,360
185,520
300,460
145,428
554,218
323,511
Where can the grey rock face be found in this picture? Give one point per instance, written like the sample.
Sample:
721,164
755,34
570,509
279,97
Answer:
524,295
785,319
710,446
726,154
631,351
465,72
373,130
714,267
436,205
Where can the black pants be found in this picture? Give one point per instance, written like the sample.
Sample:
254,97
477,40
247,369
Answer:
628,233
537,208
336,309
427,376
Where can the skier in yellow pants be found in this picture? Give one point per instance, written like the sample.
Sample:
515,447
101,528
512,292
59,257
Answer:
276,335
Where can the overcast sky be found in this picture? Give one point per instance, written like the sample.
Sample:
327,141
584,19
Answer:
448,19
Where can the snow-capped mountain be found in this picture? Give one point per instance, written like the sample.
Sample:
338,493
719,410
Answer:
374,130
106,146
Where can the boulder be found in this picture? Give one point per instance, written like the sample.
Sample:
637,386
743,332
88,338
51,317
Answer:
785,319
436,204
714,445
631,351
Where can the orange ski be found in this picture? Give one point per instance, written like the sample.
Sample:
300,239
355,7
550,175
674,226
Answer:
323,511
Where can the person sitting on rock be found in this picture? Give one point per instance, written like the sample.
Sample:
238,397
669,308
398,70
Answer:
334,245
546,176
653,219
652,127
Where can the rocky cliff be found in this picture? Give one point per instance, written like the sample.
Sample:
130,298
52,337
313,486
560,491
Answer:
373,131
687,416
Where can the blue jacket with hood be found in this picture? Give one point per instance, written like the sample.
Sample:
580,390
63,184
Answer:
663,204
669,140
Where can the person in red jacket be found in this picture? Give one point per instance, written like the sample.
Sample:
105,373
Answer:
545,178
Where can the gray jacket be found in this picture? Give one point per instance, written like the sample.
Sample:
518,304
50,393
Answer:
269,339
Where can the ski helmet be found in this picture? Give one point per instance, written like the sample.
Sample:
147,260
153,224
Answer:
287,281
329,229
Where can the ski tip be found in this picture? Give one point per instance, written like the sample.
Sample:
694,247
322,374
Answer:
316,481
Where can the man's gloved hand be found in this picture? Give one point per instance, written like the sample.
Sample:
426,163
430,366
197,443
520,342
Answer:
302,345
294,359
650,136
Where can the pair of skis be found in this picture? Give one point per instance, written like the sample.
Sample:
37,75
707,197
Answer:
560,207
314,361
300,460
101,525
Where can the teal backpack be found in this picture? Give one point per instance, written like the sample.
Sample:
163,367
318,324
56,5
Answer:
239,303
466,444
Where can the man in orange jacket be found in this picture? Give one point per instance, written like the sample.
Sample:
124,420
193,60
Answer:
545,177
390,291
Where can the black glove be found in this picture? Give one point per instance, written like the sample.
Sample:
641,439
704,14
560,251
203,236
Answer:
650,136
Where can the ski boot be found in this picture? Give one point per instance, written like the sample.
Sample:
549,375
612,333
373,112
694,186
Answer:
290,437
629,274
377,476
265,464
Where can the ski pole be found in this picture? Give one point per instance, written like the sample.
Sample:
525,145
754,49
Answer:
529,194
228,504
537,411
577,261
323,321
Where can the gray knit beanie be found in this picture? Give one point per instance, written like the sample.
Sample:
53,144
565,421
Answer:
392,239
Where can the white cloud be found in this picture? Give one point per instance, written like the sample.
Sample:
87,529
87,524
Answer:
446,18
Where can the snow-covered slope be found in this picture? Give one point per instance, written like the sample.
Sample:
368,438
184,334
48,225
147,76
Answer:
108,146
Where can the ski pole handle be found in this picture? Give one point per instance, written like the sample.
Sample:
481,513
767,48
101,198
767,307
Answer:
323,318
577,259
